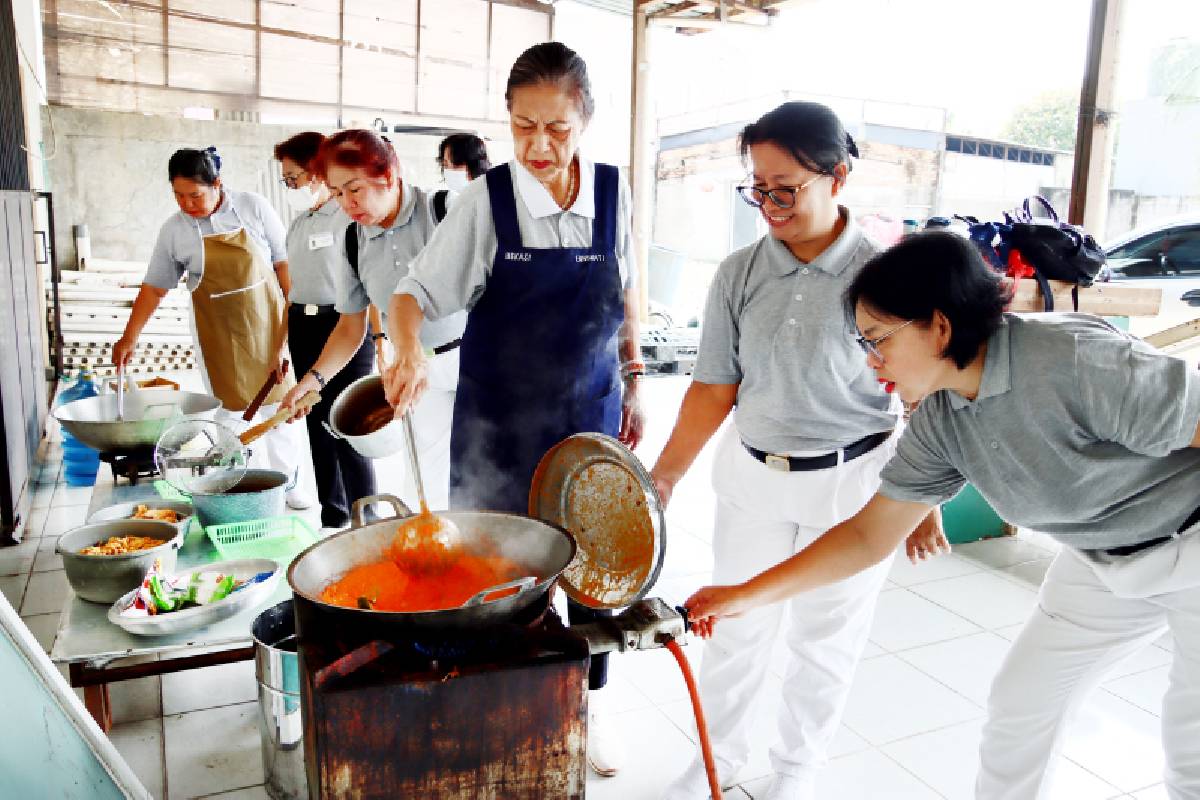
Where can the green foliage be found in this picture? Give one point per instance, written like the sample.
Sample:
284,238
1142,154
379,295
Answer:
1048,120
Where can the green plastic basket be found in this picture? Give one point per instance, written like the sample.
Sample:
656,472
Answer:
278,538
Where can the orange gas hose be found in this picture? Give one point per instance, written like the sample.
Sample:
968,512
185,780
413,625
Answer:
705,745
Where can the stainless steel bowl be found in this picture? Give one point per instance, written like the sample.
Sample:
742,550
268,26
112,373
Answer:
103,579
93,420
122,511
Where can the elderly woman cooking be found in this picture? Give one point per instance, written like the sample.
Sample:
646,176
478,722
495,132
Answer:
811,431
392,222
540,253
1067,426
229,245
314,260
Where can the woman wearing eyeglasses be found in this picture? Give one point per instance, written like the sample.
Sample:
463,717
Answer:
315,258
1067,426
811,431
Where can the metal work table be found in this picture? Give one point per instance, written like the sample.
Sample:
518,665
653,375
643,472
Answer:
89,644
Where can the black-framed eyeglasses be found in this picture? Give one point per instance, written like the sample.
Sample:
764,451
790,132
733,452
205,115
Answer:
782,196
871,346
292,181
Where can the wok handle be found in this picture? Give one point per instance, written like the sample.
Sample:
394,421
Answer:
360,505
522,585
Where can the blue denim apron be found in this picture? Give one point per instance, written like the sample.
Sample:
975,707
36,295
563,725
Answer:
539,362
539,354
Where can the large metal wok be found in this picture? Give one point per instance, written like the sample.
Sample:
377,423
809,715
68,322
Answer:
543,549
93,420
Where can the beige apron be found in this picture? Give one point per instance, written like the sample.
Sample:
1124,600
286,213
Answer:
239,311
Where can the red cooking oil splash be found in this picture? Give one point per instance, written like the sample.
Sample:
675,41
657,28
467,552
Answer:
705,745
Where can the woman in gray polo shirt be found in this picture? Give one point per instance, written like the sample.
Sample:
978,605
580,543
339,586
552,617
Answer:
811,431
314,259
1066,425
392,223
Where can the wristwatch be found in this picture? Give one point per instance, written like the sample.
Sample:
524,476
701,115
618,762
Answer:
318,376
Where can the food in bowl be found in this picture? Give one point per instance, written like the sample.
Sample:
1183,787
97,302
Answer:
386,586
373,421
121,545
160,514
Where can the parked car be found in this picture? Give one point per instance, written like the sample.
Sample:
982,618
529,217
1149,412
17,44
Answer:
1164,249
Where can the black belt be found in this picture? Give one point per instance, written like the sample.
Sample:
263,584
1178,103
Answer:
447,347
810,463
313,310
1130,549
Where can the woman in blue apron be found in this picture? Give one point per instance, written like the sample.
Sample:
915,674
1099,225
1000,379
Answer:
539,252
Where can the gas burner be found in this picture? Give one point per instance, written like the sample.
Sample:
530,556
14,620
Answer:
132,464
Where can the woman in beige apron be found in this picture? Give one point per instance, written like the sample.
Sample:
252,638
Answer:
224,242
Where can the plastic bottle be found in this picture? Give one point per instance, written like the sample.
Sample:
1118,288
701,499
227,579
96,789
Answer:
80,462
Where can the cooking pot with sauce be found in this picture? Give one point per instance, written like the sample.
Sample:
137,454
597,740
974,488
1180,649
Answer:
541,550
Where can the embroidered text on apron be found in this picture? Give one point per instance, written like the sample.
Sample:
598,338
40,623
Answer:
539,354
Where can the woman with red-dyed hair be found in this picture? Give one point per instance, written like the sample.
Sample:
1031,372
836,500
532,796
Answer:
392,221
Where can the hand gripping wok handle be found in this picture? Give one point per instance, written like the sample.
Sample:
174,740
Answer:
308,401
360,505
522,585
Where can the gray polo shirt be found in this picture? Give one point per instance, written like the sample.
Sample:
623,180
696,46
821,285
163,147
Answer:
452,272
180,246
779,329
384,257
1079,430
314,255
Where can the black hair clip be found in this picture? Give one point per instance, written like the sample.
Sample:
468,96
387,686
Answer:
851,146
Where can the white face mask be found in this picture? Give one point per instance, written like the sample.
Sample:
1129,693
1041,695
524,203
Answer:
301,198
456,179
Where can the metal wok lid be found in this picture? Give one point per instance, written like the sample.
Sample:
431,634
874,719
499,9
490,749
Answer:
594,487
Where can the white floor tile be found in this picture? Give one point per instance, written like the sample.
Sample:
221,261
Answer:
966,665
1009,631
678,588
1002,552
869,775
620,695
249,793
13,588
1147,658
1166,642
656,751
1116,741
212,751
18,559
871,650
43,627
209,687
61,519
136,700
141,745
1030,574
985,599
46,594
687,555
65,495
904,620
906,573
655,673
1145,690
892,699
47,561
1156,792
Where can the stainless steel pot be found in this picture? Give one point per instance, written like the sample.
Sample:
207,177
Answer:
122,511
93,420
542,549
104,579
351,406
259,494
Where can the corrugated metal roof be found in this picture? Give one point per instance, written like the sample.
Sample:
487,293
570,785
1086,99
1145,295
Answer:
616,6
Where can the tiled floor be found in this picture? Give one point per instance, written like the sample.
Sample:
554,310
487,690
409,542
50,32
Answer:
910,731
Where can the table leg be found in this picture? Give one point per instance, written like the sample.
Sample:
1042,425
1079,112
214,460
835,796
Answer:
95,699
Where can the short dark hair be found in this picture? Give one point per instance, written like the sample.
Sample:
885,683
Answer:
301,148
810,132
935,271
466,150
201,166
555,64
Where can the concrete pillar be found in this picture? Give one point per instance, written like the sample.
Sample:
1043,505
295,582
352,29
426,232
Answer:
1095,135
642,153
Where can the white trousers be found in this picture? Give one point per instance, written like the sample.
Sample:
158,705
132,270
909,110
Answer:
1092,614
432,416
764,517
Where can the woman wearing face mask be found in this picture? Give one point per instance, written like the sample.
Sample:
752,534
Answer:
462,157
314,260
811,431
1067,426
230,247
392,222
540,252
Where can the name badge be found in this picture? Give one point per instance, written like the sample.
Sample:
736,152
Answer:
320,240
